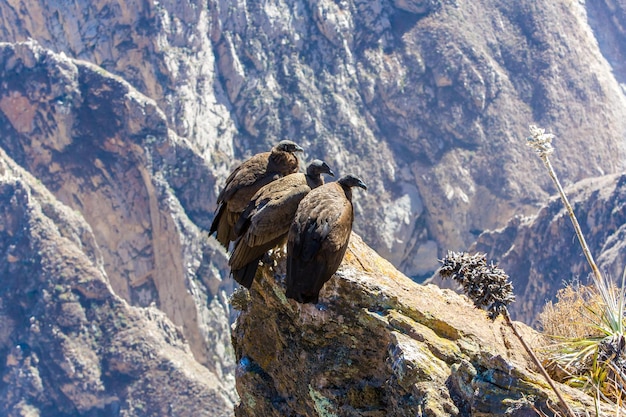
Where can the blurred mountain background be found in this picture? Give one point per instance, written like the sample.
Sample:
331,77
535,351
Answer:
119,122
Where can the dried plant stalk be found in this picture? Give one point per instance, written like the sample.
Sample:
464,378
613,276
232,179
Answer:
488,286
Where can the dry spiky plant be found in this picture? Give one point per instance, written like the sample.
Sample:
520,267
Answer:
541,142
489,287
485,284
590,350
596,361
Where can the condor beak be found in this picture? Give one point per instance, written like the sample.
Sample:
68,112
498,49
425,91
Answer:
328,170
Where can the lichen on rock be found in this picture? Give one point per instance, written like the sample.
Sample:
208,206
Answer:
378,344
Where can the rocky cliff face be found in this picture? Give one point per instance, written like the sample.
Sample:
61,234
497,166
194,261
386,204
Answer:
606,19
379,345
105,152
69,345
429,101
543,249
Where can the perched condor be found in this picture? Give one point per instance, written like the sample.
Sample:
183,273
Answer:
246,180
265,222
318,237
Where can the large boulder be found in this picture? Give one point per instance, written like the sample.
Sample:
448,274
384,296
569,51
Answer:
379,344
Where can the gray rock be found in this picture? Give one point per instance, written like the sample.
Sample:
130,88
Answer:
106,151
543,248
70,345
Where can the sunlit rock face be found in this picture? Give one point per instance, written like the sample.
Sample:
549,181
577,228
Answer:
70,345
105,152
132,114
379,345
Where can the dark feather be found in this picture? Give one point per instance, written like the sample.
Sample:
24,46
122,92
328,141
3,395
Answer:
245,181
245,275
318,238
265,221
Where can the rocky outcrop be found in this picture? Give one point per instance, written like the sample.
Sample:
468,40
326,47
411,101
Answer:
540,250
403,93
106,152
69,345
163,49
379,345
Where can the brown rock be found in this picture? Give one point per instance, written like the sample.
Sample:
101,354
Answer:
427,100
380,345
106,151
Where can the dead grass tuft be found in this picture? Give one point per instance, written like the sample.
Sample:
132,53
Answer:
571,316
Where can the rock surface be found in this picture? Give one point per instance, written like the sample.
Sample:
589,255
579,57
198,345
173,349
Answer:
69,345
379,345
428,101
